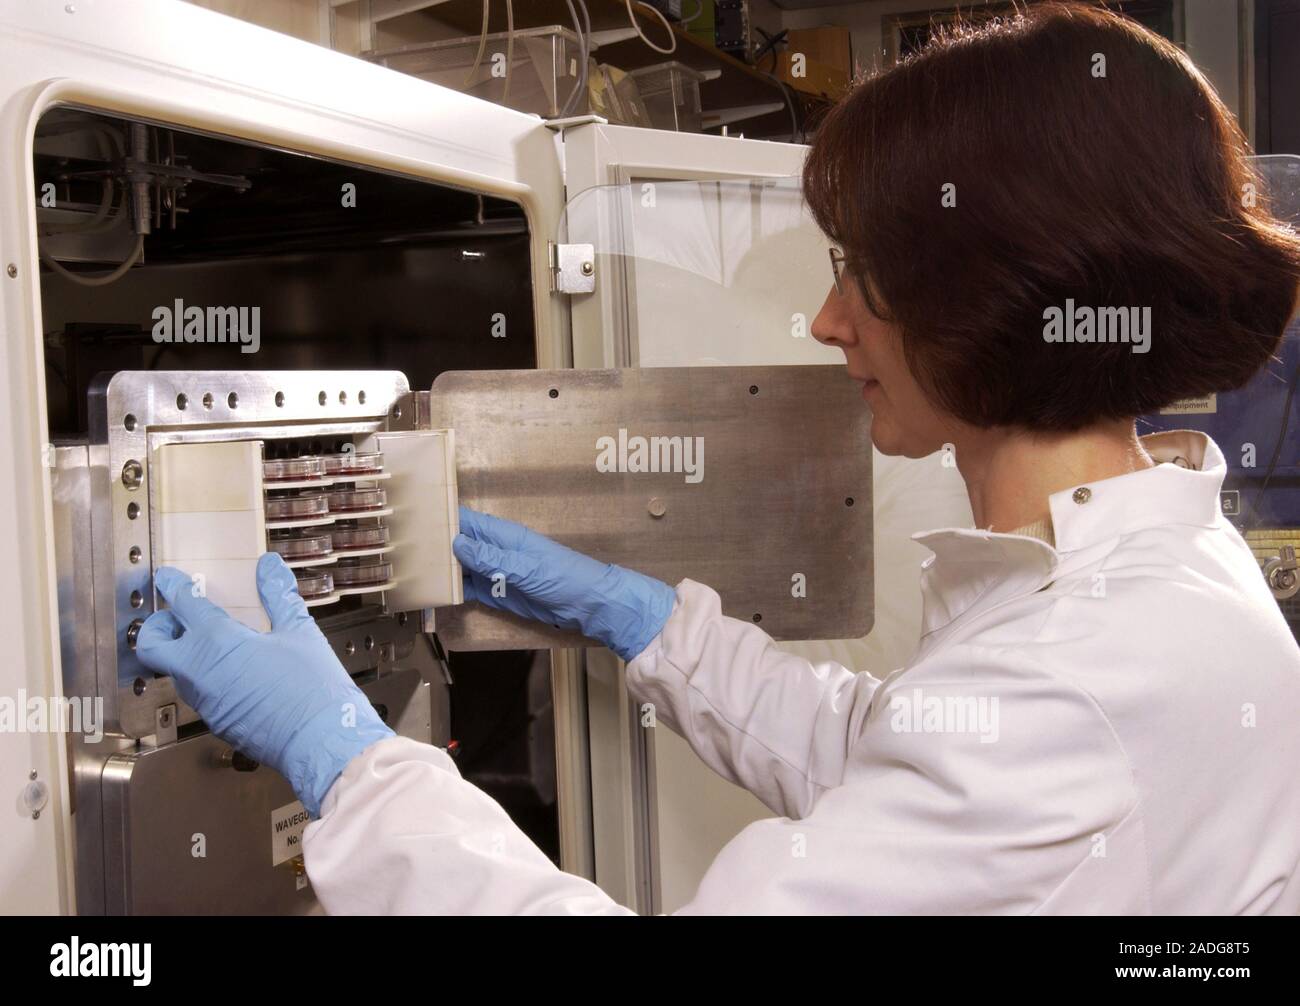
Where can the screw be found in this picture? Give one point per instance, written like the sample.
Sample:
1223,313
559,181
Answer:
32,775
12,270
588,268
657,507
132,474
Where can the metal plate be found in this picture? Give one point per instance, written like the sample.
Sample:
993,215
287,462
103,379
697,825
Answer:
134,411
785,491
155,801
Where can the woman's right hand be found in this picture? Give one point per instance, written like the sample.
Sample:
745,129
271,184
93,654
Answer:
513,568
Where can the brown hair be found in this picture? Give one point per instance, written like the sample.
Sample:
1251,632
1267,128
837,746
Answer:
1119,190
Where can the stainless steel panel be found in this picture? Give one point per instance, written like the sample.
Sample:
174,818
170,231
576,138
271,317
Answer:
785,493
157,800
135,410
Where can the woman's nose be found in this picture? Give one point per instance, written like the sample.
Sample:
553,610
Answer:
833,325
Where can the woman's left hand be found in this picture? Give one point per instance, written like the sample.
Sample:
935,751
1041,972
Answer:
280,697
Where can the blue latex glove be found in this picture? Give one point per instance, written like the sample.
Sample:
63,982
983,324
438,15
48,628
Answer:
547,582
280,697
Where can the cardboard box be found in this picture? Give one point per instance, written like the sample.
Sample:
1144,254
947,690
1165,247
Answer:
810,76
830,46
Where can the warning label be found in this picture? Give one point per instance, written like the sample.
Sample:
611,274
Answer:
1201,405
287,825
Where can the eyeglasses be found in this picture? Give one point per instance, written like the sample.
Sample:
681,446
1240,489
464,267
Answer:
838,261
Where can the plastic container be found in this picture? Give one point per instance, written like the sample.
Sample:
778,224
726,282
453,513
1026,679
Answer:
295,545
297,506
314,583
352,463
369,572
542,67
356,500
671,94
293,469
352,536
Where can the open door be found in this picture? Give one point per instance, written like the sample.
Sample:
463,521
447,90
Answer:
701,255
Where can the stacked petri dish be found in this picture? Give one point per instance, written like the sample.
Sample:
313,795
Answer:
325,517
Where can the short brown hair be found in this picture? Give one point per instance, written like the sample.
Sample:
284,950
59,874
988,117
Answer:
1119,190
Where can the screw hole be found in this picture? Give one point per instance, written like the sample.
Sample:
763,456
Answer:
361,397
208,400
554,392
849,501
182,401
232,400
343,398
137,599
322,398
369,642
130,423
757,617
753,389
133,556
138,686
279,399
132,511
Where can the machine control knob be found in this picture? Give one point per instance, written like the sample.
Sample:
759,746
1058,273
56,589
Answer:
1281,573
239,761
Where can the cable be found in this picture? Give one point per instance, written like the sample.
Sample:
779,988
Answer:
580,85
510,48
699,9
103,279
1277,450
482,47
667,27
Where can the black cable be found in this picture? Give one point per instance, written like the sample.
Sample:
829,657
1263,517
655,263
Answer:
1277,450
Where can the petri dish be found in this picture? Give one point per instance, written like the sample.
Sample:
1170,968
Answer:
353,536
353,463
293,545
362,572
297,506
354,500
314,583
293,469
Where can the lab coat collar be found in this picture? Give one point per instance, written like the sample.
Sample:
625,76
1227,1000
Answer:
974,569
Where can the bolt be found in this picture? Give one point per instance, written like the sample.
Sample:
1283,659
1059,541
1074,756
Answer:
132,474
588,268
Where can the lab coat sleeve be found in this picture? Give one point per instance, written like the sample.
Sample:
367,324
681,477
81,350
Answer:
981,783
770,721
401,833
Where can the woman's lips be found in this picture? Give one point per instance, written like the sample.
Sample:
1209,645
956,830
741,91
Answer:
867,384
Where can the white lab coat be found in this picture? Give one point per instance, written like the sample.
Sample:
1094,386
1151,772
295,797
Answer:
1108,726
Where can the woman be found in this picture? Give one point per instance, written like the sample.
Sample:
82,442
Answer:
1043,235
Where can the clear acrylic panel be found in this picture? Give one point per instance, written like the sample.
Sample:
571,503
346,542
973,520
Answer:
706,272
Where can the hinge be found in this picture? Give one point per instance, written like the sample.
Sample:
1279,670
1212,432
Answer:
573,268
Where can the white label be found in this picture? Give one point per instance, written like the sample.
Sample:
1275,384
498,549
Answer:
287,825
1201,405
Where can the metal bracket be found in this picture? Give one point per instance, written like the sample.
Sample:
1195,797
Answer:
573,268
165,720
573,121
